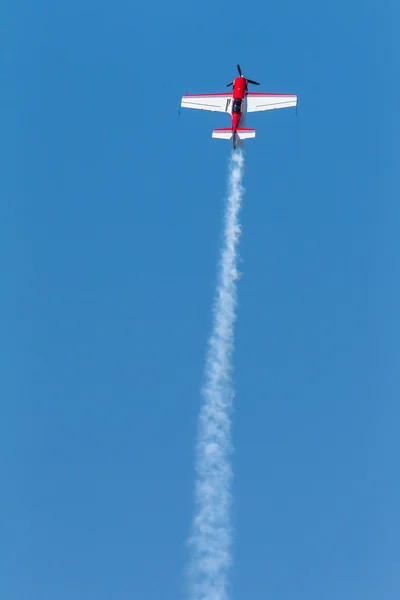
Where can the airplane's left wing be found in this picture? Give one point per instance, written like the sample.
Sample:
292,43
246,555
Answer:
214,102
257,101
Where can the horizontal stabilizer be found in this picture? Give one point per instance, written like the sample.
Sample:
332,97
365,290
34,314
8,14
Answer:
244,134
223,134
226,133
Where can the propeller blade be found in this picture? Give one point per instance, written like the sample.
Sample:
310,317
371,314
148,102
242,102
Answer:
229,84
254,82
240,70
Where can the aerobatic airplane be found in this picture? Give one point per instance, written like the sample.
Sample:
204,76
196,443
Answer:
238,104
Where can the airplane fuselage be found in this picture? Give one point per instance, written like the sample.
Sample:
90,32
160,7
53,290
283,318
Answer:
238,99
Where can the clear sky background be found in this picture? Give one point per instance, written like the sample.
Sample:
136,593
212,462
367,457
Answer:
110,222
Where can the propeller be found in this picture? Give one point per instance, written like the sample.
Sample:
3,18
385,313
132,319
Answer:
248,80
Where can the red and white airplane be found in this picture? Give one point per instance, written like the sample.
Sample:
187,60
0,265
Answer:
238,104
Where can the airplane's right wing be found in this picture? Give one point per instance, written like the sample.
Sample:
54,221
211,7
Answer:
215,102
257,101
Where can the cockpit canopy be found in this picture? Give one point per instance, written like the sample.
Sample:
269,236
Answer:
237,105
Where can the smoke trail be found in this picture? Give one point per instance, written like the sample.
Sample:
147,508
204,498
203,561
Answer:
211,538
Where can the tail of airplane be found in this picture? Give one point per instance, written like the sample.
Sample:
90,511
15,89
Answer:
226,133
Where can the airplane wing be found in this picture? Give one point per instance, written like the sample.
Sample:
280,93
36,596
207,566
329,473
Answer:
214,102
257,101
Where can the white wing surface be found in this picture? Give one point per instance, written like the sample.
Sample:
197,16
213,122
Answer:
257,101
214,102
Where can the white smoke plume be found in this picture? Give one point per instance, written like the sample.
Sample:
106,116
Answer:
211,539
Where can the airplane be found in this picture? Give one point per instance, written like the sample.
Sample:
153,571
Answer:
238,103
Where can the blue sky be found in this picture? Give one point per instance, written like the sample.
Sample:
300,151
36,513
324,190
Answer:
110,230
